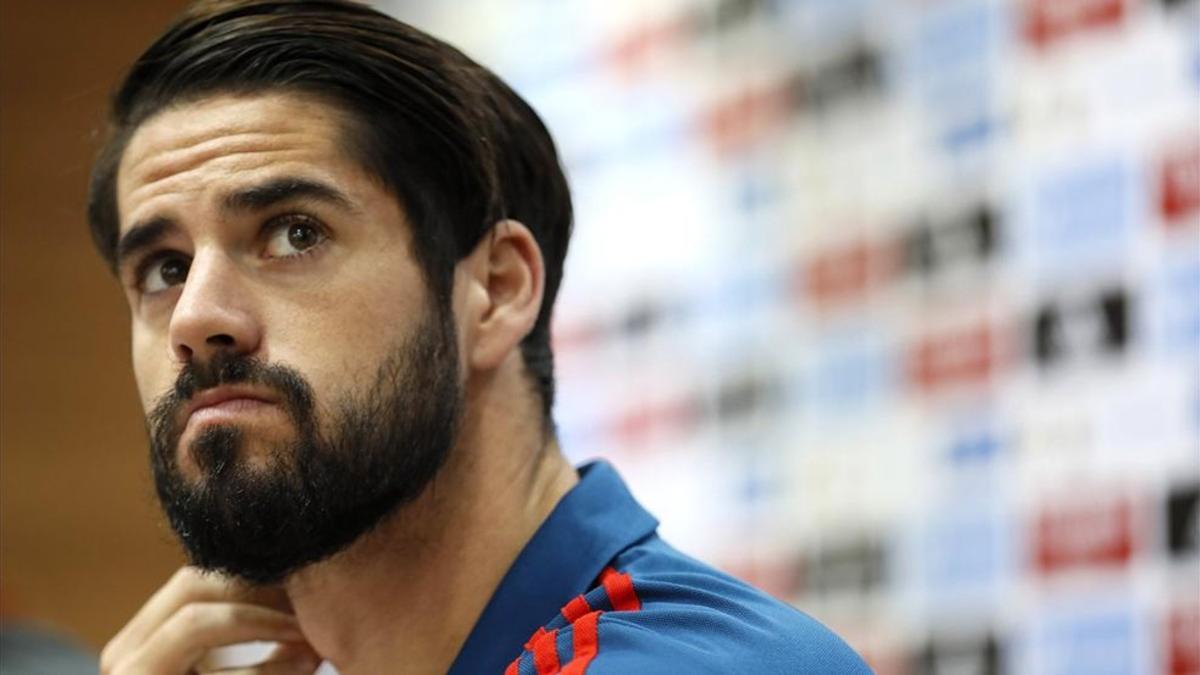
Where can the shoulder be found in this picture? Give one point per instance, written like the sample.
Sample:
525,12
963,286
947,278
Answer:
655,610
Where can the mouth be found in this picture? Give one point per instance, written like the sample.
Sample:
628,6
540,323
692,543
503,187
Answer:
225,404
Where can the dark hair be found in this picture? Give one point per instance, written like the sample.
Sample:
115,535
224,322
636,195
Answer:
458,148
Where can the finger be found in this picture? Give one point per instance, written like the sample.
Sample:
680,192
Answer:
182,640
189,584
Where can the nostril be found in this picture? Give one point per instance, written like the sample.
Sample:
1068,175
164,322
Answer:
220,340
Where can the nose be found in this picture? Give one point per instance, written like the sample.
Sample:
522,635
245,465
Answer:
214,312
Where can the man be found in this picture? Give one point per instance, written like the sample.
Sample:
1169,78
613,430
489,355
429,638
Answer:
341,240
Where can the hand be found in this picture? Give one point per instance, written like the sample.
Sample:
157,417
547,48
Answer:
195,612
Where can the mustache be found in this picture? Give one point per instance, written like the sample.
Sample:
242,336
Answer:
226,368
232,368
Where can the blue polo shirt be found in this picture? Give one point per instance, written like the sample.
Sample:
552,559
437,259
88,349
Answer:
597,591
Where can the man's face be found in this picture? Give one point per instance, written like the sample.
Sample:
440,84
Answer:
298,381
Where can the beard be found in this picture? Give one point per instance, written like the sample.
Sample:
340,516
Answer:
317,494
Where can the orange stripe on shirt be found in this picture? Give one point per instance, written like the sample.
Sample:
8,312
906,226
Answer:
545,653
534,638
585,642
576,608
619,587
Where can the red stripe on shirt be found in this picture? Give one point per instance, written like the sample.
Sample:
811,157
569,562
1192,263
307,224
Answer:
545,653
585,641
619,587
534,638
513,667
575,608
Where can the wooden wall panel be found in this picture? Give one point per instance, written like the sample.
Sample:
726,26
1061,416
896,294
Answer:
81,540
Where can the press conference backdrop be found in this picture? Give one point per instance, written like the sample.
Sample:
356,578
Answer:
892,308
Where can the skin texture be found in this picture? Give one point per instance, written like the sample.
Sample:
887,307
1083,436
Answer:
403,598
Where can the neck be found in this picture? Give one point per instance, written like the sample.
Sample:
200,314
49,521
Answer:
405,597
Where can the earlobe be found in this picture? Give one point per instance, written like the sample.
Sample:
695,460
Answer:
507,268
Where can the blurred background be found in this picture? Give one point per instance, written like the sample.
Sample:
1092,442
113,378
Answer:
890,307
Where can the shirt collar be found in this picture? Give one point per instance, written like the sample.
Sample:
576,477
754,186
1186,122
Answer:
593,522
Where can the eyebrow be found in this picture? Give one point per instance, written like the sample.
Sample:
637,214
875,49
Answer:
143,235
149,232
265,195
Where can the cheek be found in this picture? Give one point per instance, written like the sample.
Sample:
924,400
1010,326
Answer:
338,340
342,347
152,369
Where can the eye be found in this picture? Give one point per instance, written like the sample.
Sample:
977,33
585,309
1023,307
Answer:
164,272
294,236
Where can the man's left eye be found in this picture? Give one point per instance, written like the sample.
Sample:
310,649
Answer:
293,237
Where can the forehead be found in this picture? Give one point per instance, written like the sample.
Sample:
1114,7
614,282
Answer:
214,142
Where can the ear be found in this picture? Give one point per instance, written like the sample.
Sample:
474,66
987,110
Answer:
504,280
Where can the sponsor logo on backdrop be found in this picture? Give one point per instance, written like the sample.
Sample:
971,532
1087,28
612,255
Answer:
1049,21
1095,326
1096,534
967,356
1089,640
953,59
1081,220
856,567
1179,189
931,247
1183,640
1183,521
977,655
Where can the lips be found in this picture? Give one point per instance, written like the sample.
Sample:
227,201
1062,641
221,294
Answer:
224,402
